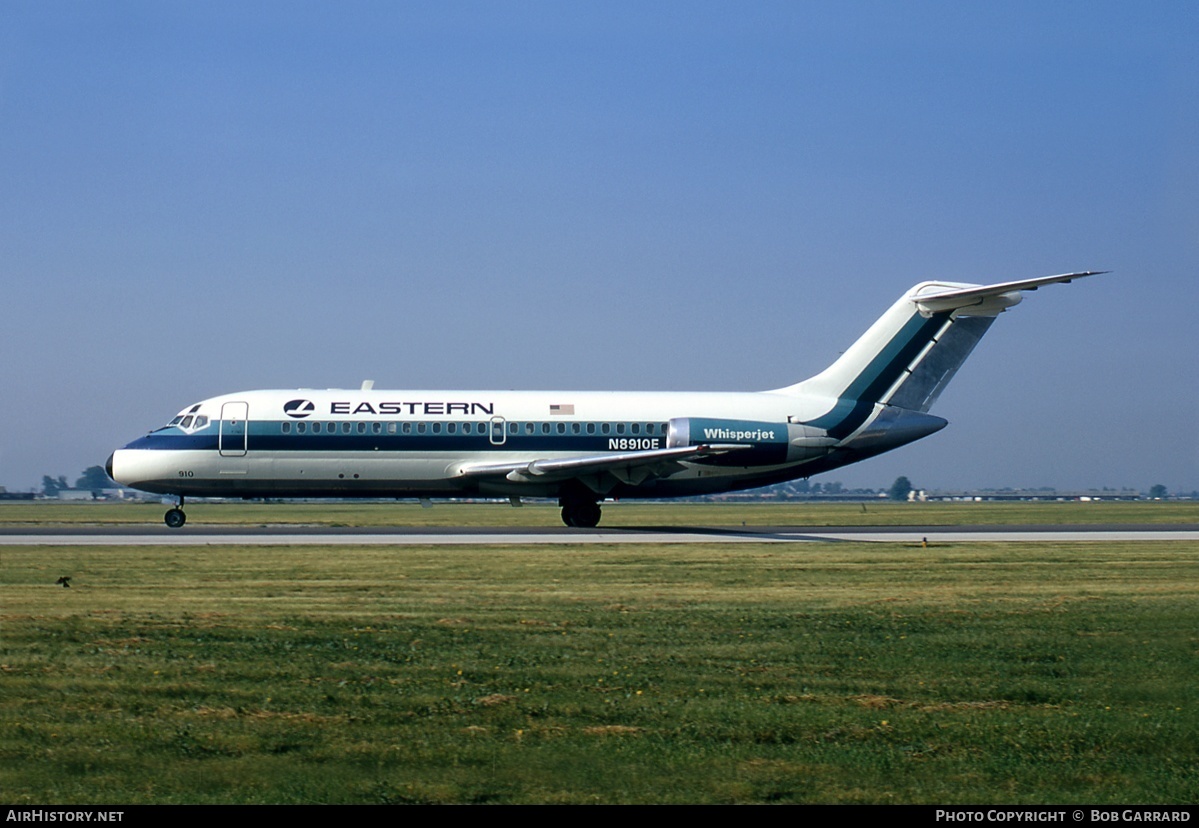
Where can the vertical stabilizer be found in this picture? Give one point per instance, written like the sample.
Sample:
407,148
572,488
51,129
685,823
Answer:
907,357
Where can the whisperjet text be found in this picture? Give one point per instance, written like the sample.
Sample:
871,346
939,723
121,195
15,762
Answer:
757,435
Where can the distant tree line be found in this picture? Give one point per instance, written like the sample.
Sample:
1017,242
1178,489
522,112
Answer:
94,479
902,488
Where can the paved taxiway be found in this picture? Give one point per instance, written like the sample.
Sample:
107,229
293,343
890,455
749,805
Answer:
523,536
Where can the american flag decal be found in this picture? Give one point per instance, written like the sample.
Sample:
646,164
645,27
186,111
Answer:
562,409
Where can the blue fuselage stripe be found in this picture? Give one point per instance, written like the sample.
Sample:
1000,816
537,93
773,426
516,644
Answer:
267,437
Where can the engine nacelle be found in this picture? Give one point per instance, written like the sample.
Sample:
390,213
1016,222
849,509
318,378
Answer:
767,443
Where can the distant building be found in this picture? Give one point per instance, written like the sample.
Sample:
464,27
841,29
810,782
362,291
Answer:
1086,496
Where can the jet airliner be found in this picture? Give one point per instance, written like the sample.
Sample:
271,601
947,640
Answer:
580,447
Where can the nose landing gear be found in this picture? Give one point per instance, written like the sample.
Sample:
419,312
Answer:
175,517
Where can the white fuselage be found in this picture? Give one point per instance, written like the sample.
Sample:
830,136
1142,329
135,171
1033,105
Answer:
426,443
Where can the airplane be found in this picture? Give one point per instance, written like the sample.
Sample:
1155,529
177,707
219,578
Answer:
580,447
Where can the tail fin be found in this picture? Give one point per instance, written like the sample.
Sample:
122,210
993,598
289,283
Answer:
909,355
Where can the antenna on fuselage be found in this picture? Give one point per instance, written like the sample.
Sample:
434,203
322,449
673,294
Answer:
367,385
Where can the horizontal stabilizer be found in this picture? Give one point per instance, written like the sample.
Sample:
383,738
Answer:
938,300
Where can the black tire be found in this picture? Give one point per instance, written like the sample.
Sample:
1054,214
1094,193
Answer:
584,515
175,518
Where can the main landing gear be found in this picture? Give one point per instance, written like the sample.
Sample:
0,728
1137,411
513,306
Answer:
580,507
174,517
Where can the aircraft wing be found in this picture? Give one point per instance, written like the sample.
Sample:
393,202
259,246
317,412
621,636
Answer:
943,300
629,467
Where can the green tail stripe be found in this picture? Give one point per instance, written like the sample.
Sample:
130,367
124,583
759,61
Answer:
864,391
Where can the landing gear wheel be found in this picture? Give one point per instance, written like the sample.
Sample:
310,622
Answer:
175,518
582,514
580,505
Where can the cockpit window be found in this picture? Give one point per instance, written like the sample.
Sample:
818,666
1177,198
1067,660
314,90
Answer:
187,420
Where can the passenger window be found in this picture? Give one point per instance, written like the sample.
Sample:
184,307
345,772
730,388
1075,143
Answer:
361,429
286,427
391,428
575,428
376,428
545,428
301,428
451,428
436,428
606,428
529,428
406,428
620,428
591,428
561,428
420,428
635,428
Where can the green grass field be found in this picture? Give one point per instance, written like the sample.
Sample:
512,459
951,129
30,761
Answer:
832,673
628,513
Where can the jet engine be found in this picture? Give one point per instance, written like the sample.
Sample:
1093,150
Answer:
759,443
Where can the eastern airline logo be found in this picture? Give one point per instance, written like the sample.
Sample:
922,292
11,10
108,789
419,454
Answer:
298,408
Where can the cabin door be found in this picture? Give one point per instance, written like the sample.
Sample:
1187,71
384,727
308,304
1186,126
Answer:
232,435
498,435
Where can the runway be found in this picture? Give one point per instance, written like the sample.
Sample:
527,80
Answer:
292,535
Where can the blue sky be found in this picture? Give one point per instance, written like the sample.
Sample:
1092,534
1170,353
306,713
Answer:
198,198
